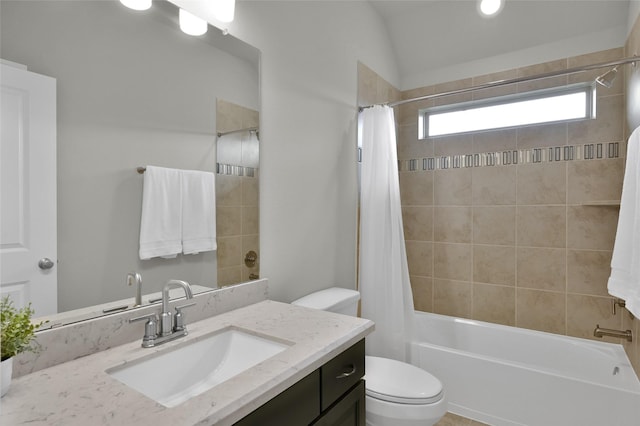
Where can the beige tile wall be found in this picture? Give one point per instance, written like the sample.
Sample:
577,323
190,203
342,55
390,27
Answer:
516,245
373,89
237,206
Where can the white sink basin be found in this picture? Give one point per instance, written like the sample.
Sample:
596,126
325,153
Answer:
173,376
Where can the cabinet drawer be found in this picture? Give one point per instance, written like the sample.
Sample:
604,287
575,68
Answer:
341,373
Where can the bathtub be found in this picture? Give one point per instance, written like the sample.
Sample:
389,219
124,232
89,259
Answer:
504,375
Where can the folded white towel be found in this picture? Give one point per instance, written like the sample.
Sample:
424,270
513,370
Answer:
161,219
624,281
198,212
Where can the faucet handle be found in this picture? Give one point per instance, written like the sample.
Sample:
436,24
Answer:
152,316
178,318
150,328
186,305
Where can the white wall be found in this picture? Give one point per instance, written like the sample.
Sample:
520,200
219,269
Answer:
634,12
592,42
308,190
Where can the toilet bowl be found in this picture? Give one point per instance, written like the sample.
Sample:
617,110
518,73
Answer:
401,394
397,393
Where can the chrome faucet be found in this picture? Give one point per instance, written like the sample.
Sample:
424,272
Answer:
168,326
166,322
134,277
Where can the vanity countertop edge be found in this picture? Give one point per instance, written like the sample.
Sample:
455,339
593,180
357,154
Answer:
80,392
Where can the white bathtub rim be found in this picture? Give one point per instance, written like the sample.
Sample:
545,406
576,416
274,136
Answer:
633,386
485,324
606,346
480,374
528,367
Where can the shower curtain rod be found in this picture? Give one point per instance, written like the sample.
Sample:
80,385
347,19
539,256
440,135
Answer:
623,61
248,129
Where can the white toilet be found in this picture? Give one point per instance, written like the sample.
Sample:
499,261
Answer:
397,393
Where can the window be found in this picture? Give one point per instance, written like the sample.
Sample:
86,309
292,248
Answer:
573,102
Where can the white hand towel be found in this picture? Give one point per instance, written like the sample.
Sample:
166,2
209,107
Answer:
624,281
198,212
161,219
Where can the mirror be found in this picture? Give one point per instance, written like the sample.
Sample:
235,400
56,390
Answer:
237,193
132,90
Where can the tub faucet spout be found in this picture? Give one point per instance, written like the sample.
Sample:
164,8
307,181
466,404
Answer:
600,332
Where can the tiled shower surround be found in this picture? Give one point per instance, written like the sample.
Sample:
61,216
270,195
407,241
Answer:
514,226
237,205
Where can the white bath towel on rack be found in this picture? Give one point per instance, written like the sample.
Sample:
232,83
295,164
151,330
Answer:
198,212
161,218
624,281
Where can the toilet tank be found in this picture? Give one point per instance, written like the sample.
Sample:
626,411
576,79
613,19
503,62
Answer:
334,299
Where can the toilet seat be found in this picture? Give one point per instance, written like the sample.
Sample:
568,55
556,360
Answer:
401,383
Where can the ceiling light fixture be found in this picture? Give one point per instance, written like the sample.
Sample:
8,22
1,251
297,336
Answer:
224,10
607,78
490,7
137,4
191,24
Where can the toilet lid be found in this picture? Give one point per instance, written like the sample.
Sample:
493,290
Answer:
395,381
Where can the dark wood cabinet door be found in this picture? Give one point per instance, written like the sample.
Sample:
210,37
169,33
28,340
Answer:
333,395
298,405
347,411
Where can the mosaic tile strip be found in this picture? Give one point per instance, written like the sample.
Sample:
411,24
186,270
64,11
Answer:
512,157
229,169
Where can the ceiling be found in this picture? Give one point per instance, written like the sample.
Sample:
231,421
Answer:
431,35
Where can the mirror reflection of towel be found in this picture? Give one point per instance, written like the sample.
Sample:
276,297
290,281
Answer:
161,220
624,281
198,212
178,213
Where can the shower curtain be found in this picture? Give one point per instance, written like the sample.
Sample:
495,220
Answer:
383,273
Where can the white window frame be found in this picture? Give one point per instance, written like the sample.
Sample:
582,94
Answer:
588,89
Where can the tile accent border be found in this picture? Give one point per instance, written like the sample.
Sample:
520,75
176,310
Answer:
591,151
229,169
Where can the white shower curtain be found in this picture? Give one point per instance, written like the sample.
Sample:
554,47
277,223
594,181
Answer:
384,275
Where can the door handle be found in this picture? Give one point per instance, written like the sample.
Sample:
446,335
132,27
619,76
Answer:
45,263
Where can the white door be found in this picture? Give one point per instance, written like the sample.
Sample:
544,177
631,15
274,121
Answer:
28,237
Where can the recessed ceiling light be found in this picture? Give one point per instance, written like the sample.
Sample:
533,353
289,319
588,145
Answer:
490,7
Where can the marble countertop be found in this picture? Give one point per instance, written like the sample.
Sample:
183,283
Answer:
80,392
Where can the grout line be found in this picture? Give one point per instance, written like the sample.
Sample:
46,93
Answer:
566,243
515,256
433,232
472,277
